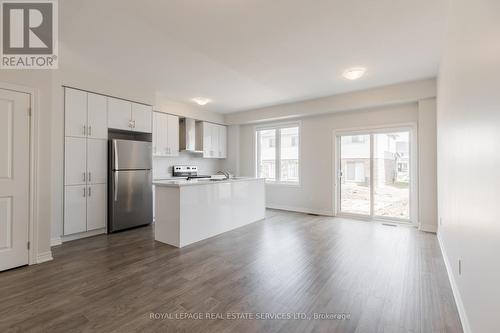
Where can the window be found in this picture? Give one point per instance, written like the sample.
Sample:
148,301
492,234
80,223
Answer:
277,150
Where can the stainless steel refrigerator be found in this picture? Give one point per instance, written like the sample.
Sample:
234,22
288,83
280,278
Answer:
130,184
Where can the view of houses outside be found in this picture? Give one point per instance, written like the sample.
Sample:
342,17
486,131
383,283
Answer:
289,154
390,174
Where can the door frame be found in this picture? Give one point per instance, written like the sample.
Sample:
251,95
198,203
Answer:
413,186
33,167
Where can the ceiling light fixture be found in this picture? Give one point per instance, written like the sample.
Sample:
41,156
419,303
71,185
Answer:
354,73
201,100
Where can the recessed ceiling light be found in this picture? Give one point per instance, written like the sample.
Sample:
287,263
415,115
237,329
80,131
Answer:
201,100
354,73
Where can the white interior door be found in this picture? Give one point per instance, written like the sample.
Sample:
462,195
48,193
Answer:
14,178
97,161
97,116
96,206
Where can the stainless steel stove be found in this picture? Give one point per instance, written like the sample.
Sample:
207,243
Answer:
187,171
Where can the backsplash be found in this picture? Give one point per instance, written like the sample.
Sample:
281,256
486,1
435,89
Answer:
162,166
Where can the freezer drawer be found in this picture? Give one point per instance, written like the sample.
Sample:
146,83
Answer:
131,199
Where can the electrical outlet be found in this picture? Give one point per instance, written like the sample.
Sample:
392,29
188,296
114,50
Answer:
459,266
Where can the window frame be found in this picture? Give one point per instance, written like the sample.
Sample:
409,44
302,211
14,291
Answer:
278,127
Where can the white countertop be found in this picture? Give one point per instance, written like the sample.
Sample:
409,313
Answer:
184,182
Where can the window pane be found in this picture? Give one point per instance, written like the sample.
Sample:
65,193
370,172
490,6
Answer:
289,159
391,174
266,140
355,174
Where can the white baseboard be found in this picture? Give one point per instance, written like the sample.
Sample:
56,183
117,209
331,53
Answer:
454,288
55,241
43,257
300,209
83,235
428,228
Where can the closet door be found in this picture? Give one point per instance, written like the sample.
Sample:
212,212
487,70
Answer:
75,161
96,206
75,112
75,209
97,116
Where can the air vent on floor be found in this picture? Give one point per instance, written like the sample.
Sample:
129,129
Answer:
390,225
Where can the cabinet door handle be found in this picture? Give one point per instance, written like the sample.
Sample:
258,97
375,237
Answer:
90,176
84,176
90,191
90,130
84,130
84,192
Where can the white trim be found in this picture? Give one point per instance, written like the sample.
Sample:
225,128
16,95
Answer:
428,228
84,234
55,241
33,181
277,126
370,130
43,257
454,288
300,209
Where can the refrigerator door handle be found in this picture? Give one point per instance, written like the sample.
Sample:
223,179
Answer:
115,190
115,151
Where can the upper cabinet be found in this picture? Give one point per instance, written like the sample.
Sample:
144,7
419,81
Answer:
165,134
85,114
129,116
214,140
142,117
119,114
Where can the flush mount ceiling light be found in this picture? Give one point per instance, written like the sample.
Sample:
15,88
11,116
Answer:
354,73
201,100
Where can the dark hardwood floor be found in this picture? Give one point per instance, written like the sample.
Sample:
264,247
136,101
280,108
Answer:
382,278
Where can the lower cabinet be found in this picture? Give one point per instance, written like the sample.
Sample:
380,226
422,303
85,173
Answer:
75,209
96,206
85,208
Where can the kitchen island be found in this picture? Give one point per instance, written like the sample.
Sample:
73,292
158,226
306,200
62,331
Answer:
190,211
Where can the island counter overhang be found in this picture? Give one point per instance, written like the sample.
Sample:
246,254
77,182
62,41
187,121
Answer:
188,212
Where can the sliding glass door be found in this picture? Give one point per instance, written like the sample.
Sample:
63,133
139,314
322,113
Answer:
375,175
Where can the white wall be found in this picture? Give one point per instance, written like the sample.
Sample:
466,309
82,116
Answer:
469,160
316,193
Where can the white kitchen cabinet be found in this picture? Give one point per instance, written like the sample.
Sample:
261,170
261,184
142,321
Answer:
96,206
222,141
208,141
97,116
75,209
97,161
141,117
165,134
214,140
75,106
173,135
119,114
75,161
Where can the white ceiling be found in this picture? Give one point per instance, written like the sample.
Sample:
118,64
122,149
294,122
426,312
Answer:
245,54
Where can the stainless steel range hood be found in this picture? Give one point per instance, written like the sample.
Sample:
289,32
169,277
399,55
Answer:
187,136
